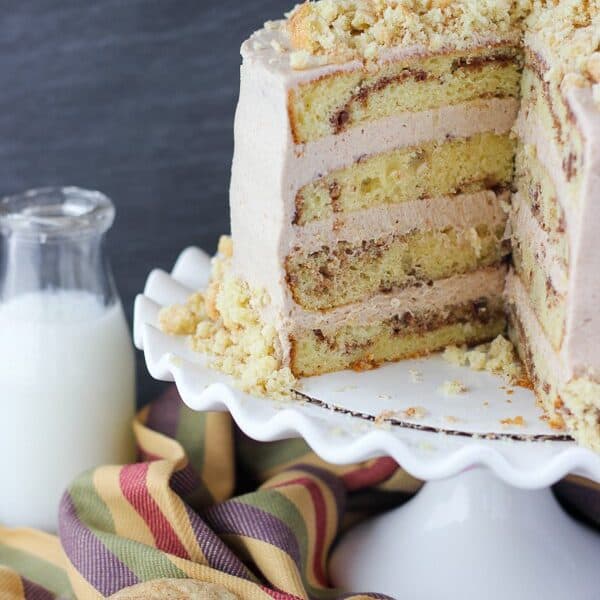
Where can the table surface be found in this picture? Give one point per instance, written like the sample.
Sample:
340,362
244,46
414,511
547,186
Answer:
133,98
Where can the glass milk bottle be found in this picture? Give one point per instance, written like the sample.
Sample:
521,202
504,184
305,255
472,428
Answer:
67,385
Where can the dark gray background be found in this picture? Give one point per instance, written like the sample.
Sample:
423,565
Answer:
134,98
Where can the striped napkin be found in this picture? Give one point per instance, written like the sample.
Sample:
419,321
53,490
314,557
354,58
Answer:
206,503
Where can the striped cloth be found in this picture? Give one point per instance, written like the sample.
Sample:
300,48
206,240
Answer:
205,502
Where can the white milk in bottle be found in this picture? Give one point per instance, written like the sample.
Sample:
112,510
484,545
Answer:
67,384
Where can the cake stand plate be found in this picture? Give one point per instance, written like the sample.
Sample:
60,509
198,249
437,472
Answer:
485,525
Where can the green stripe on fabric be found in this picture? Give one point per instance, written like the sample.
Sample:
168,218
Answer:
276,504
190,434
144,561
90,507
36,569
260,456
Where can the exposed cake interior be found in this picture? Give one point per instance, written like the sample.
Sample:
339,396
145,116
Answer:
388,154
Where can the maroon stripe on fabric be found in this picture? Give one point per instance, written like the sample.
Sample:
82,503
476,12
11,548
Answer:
133,482
279,595
183,482
163,415
382,469
242,519
100,567
333,482
34,591
218,554
320,509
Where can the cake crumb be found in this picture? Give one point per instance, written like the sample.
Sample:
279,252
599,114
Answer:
415,375
177,320
415,412
556,422
453,388
225,324
517,421
451,419
498,357
299,60
384,416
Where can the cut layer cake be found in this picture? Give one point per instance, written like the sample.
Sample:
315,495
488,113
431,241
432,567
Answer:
372,204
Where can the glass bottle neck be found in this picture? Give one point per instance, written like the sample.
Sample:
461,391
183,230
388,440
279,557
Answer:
52,240
75,264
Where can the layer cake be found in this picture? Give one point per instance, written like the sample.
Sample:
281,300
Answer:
388,154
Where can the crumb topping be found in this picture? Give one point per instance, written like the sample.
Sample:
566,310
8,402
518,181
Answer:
570,30
347,29
498,357
225,324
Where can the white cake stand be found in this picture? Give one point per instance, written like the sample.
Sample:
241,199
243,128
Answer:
485,526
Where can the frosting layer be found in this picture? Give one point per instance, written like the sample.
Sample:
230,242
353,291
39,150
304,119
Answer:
484,283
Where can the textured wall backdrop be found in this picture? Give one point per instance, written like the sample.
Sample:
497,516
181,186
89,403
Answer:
135,98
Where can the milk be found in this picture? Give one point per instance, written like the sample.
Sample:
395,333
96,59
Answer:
66,398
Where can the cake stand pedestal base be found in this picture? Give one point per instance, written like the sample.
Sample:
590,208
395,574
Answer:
471,537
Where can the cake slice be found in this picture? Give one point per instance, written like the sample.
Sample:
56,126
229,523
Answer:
376,186
553,290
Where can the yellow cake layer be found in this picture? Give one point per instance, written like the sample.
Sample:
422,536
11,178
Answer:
574,405
347,273
537,188
548,305
548,107
404,336
344,99
425,171
542,377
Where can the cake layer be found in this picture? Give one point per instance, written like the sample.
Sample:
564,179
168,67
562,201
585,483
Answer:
346,272
537,190
541,274
560,155
401,130
405,335
346,98
436,168
559,116
567,400
459,289
543,96
458,211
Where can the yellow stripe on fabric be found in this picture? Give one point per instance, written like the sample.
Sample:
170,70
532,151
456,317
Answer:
301,498
276,565
583,482
305,499
173,508
81,587
243,588
127,521
400,481
11,585
310,458
158,444
218,470
39,544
